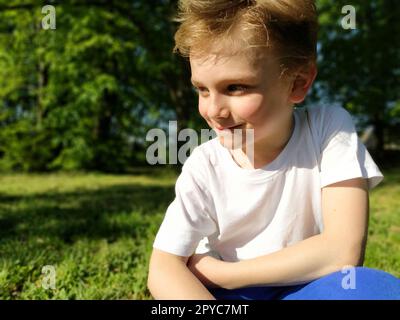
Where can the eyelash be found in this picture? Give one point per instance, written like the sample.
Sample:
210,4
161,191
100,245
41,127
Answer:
242,88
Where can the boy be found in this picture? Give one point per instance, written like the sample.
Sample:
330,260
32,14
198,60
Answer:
265,226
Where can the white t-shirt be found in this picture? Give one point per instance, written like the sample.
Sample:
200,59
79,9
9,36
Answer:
240,213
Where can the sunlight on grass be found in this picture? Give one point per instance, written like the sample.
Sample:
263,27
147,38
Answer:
97,231
383,247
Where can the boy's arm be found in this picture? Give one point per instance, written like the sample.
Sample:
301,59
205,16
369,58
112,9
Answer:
345,212
170,279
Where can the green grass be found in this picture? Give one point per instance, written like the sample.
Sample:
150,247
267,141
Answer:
97,231
383,246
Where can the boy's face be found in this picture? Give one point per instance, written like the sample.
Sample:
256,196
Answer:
233,92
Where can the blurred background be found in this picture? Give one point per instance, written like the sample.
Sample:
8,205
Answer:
77,100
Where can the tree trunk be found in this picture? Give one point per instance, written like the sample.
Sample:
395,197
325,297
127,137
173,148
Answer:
42,80
379,126
103,129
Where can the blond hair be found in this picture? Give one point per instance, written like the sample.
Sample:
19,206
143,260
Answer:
287,28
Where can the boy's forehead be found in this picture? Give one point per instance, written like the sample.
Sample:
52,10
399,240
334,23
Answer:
220,61
236,66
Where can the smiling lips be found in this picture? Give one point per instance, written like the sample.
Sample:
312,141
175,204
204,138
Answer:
230,128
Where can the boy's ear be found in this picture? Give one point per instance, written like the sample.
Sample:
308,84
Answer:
303,79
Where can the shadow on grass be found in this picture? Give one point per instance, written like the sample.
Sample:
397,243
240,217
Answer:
108,213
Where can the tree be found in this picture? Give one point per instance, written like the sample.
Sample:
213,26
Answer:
76,97
360,68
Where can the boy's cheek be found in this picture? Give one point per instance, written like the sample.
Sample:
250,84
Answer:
203,113
248,111
249,107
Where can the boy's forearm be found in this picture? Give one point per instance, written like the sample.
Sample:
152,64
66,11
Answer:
172,280
303,262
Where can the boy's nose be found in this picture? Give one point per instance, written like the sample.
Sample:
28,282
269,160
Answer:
217,108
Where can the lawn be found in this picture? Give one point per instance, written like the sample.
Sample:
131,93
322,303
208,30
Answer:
96,230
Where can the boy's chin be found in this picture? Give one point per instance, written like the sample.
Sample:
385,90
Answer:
228,142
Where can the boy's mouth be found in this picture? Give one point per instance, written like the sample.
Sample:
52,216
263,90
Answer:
229,128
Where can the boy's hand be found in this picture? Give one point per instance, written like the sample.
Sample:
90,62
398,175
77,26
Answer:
212,272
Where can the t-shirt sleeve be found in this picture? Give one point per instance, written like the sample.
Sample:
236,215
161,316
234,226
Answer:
188,218
343,155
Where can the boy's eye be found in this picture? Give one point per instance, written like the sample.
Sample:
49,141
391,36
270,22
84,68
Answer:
231,89
236,88
200,90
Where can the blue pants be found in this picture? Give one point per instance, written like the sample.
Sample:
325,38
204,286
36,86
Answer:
361,284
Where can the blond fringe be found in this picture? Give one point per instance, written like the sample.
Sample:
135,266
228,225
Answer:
285,27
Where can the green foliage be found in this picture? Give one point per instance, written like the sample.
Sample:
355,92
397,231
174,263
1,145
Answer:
76,97
360,68
83,96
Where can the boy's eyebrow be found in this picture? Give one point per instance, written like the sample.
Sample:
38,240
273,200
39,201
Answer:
232,80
